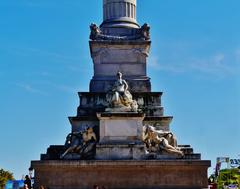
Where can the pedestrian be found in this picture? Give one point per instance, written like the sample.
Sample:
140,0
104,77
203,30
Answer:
28,182
95,186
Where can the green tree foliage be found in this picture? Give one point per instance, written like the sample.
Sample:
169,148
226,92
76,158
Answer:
228,176
4,177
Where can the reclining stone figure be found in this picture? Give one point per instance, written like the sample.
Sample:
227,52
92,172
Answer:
159,141
81,143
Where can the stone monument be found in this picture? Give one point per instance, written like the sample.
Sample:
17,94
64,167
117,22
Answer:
120,137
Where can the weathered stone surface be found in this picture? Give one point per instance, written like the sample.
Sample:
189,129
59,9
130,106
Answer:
72,156
120,151
137,84
103,52
160,122
120,127
53,152
82,122
108,150
128,57
93,102
127,174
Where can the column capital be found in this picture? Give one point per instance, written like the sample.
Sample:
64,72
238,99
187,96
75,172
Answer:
119,13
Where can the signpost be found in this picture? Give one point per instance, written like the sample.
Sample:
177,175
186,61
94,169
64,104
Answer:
235,162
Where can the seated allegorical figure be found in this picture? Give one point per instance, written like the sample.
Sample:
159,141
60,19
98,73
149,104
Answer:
82,143
119,98
89,144
73,143
160,141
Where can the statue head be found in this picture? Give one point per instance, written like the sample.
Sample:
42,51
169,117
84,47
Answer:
119,75
89,129
95,31
145,27
93,27
145,31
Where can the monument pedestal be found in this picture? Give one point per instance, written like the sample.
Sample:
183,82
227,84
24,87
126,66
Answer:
124,174
122,127
113,151
120,136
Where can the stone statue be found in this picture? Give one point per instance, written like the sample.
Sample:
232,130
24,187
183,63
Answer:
95,31
160,142
96,34
119,98
73,143
81,143
145,31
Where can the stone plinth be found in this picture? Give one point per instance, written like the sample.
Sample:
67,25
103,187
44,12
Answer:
119,52
92,102
120,127
128,57
120,136
165,174
113,151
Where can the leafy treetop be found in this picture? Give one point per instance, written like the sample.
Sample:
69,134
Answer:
4,177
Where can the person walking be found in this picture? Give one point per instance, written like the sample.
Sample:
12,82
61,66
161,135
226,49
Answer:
28,182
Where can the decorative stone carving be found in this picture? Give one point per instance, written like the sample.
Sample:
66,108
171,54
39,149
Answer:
145,31
95,31
81,143
160,142
96,34
142,33
119,98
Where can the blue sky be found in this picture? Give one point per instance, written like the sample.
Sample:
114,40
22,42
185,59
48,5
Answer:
45,61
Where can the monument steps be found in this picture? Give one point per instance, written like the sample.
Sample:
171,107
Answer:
55,151
184,145
186,150
196,156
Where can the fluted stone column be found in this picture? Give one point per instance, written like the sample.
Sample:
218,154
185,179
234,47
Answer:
119,13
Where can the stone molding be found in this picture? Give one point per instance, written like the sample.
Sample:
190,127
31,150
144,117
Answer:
97,163
116,9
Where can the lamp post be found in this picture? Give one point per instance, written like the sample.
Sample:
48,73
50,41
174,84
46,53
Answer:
30,170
